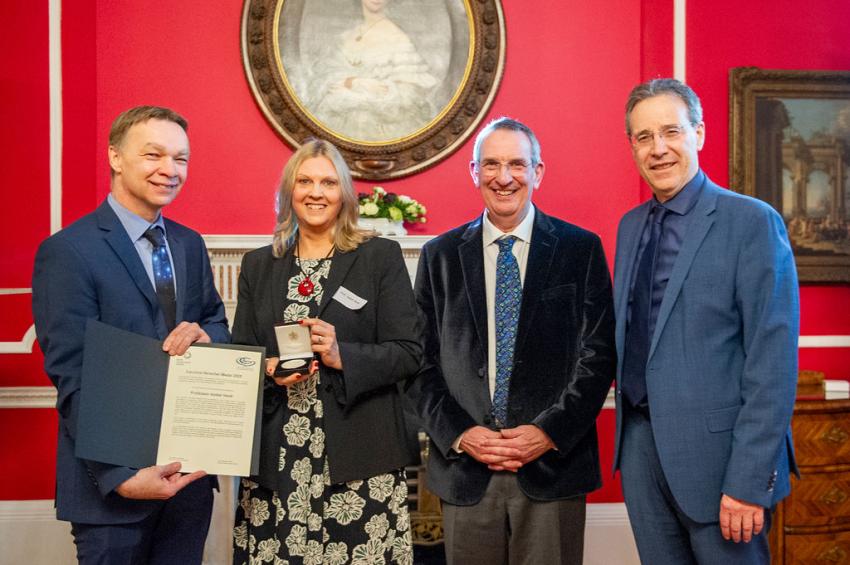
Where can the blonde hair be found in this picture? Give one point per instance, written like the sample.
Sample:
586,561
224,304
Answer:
347,235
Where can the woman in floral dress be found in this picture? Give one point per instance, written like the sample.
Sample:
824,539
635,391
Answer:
331,488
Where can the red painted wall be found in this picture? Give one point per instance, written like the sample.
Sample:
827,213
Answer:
782,34
567,74
24,145
195,66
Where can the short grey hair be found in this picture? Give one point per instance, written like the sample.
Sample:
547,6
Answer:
510,124
658,86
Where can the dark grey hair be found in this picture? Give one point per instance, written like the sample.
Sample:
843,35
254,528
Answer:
659,86
508,124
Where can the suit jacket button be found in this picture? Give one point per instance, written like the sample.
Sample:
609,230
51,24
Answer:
329,387
481,372
487,419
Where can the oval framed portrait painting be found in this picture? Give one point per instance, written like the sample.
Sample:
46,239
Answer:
397,85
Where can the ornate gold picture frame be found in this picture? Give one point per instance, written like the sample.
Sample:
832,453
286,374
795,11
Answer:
396,85
789,145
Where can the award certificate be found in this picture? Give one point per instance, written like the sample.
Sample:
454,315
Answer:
209,410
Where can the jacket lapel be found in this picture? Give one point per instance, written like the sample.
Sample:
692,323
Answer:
340,265
471,254
540,257
624,270
698,227
120,243
281,267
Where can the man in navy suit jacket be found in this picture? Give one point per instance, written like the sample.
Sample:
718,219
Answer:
101,268
706,297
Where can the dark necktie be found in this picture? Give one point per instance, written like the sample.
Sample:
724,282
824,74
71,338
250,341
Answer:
508,298
638,338
162,275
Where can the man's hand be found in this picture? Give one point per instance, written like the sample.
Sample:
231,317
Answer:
159,482
528,441
184,335
484,445
739,520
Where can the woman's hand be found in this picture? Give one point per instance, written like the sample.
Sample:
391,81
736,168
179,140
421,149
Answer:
323,339
289,380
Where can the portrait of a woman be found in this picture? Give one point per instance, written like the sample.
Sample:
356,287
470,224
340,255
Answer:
373,71
331,487
374,85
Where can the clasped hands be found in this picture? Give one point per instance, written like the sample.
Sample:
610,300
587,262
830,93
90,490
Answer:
507,449
322,341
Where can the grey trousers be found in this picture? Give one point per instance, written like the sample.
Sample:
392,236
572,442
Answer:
508,528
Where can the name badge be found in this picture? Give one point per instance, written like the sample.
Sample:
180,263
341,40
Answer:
349,299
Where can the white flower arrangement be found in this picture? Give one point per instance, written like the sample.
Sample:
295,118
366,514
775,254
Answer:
394,207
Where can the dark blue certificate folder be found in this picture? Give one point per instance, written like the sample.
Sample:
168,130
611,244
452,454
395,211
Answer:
121,397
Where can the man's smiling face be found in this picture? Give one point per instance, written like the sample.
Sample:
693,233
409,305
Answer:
667,163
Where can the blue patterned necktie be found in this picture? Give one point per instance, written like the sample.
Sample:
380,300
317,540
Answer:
508,298
633,381
162,275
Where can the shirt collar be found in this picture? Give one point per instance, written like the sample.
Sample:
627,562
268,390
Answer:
686,198
523,231
134,225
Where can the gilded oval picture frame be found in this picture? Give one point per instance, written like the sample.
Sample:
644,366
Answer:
396,85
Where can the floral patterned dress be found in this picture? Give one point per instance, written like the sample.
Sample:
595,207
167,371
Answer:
311,521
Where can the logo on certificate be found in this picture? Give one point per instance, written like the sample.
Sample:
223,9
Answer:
246,361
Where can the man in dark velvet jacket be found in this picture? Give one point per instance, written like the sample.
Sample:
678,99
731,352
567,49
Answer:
512,382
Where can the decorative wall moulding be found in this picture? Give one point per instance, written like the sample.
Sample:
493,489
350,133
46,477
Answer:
27,397
397,88
23,346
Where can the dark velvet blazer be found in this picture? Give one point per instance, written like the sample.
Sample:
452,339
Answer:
380,346
91,270
564,359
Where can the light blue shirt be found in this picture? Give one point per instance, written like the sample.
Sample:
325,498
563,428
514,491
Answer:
136,226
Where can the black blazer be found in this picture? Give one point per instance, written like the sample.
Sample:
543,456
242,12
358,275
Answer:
380,346
564,358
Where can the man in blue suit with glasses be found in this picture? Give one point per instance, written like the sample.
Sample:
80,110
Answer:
707,308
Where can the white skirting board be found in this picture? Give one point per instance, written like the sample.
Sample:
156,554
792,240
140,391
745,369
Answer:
26,527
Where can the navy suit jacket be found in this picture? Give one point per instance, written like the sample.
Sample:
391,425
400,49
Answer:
563,362
91,270
722,369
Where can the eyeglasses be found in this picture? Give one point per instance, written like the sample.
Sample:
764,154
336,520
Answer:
492,168
669,134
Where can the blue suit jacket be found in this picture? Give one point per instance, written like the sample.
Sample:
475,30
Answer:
563,362
91,270
722,369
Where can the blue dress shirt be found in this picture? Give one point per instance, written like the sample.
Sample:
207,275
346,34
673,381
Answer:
136,226
672,235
